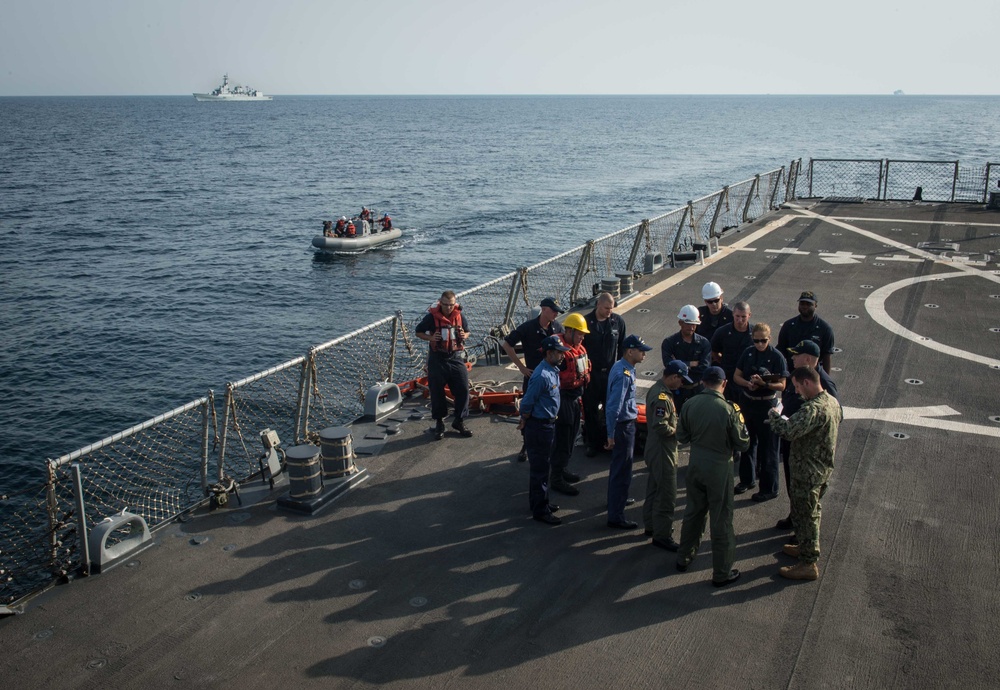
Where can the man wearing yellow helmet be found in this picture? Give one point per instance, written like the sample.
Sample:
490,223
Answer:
574,374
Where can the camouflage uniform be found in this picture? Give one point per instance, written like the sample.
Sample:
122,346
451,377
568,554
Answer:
661,460
715,428
812,431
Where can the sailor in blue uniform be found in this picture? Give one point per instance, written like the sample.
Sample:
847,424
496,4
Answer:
621,412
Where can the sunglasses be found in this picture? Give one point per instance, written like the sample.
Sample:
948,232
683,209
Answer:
761,340
713,301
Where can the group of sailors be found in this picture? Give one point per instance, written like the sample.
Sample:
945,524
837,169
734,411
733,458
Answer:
348,228
750,403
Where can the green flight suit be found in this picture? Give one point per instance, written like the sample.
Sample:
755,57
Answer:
812,431
661,461
715,429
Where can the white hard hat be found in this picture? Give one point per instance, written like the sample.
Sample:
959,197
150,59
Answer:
711,291
689,314
343,217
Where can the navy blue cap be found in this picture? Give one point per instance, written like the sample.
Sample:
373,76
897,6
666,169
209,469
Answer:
551,303
634,341
805,347
554,342
676,366
713,375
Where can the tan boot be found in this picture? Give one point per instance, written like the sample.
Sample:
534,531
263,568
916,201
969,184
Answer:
800,571
791,550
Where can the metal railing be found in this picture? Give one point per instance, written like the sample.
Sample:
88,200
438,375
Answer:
161,468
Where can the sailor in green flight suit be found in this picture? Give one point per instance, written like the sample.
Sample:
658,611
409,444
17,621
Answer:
715,428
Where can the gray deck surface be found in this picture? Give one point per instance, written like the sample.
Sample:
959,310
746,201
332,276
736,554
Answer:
436,556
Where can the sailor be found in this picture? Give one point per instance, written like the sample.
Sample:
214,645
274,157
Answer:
530,334
386,222
760,375
807,326
661,456
351,231
621,412
714,427
327,228
341,229
812,432
605,346
366,214
446,329
729,342
689,347
804,354
574,374
539,409
714,315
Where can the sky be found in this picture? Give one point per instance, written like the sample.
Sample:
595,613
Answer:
175,47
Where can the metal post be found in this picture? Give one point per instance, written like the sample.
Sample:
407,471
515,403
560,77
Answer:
52,508
677,237
81,520
640,234
954,183
723,199
581,271
302,413
515,286
205,412
392,347
225,427
986,185
753,190
810,178
774,190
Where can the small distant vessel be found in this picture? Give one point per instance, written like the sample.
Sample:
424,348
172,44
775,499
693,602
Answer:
232,93
366,235
898,92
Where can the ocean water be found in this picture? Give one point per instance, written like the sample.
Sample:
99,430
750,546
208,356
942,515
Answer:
153,248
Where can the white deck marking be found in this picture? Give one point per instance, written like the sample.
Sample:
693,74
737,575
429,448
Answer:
841,258
786,250
921,416
875,304
900,257
915,222
686,273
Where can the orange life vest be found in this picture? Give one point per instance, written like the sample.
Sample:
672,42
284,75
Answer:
386,222
350,230
448,327
575,372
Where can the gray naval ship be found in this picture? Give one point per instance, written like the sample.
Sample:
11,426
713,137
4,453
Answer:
415,563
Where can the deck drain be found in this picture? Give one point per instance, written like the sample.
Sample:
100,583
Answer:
995,366
199,540
193,596
229,547
643,311
851,316
867,287
654,374
417,602
376,641
995,330
994,296
931,306
43,635
915,382
900,435
826,271
237,518
878,264
923,338
771,256
357,584
836,234
835,350
95,664
133,564
749,277
995,418
835,369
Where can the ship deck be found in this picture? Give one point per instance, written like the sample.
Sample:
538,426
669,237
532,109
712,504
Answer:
431,573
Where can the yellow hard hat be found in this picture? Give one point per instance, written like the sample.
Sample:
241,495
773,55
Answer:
576,321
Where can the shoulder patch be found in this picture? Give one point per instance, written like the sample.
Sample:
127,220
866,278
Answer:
736,407
626,372
662,396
